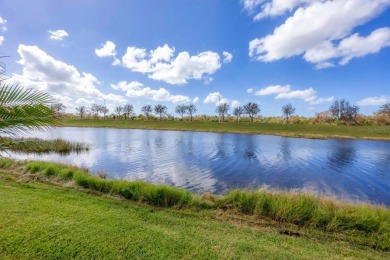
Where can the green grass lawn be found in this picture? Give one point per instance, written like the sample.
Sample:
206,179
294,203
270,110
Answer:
42,221
291,130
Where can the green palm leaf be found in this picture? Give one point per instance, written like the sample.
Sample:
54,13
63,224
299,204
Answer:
23,110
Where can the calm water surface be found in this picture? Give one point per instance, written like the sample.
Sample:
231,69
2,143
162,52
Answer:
215,162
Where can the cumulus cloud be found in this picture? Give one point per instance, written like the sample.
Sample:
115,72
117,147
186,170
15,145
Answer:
227,57
3,28
273,90
321,31
160,64
58,35
251,5
215,98
43,72
108,50
374,101
235,103
249,90
3,23
195,100
285,92
136,89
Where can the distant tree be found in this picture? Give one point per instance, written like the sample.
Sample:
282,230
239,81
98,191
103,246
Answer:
191,109
385,109
288,110
181,110
222,109
104,110
118,111
160,110
128,111
251,109
95,109
58,108
342,110
147,110
237,112
81,110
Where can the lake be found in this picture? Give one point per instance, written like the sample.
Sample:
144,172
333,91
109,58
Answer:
353,170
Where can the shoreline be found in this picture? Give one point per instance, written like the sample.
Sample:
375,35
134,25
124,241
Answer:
153,125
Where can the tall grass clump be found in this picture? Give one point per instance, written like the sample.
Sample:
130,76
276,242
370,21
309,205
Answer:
372,222
158,195
40,146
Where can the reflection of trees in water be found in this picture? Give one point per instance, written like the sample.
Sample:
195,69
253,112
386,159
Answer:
250,149
342,153
244,146
220,146
285,149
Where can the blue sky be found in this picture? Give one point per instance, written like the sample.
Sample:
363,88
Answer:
304,52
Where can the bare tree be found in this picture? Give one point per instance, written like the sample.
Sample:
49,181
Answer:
222,109
82,110
181,110
58,108
342,110
95,110
288,110
237,112
147,110
385,109
104,110
118,111
191,109
128,111
160,110
251,109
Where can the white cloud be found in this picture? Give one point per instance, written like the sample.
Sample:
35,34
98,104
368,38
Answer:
249,90
136,89
58,35
215,98
159,64
315,29
285,92
280,7
251,5
44,73
195,100
108,50
374,101
273,90
3,23
227,57
235,103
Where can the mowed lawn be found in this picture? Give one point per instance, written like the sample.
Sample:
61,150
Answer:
43,221
292,130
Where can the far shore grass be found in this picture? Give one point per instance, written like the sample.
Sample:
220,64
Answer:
41,146
315,131
357,230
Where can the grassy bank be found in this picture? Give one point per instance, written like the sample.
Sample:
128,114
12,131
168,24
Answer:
42,221
35,145
289,130
362,226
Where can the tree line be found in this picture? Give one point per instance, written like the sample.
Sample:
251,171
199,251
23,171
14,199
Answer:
340,111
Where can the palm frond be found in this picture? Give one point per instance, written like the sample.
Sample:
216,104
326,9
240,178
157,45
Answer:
23,110
14,95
